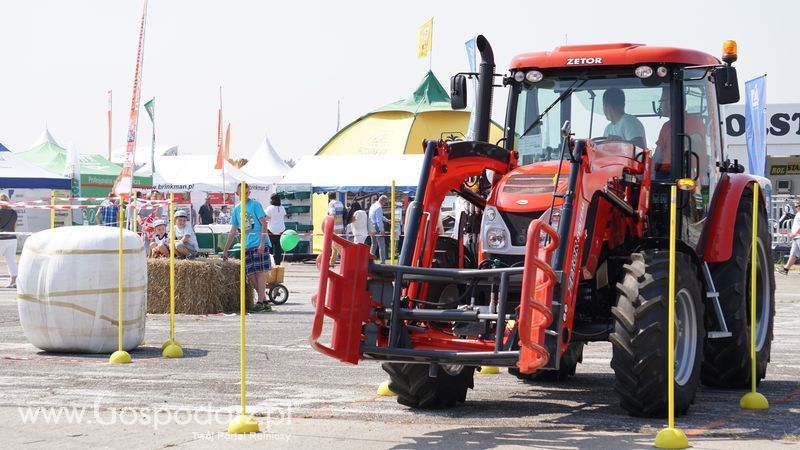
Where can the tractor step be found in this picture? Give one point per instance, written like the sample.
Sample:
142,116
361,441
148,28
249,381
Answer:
719,334
713,296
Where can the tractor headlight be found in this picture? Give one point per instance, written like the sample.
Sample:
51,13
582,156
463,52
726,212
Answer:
644,72
496,238
519,76
534,76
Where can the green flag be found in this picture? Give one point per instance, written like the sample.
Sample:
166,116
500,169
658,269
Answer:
151,107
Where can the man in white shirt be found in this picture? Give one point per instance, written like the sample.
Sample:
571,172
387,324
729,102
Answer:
621,125
795,237
377,229
336,210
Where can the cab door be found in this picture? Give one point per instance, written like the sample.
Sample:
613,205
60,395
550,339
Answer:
701,143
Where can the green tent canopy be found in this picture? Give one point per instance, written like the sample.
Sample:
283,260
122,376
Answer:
97,173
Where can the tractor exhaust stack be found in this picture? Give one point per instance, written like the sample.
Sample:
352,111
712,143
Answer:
483,104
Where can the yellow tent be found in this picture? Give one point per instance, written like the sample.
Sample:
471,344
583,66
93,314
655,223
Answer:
400,127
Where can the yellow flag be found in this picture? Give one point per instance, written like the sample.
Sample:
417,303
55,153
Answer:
425,38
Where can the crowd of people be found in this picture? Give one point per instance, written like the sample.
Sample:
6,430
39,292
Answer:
262,228
359,225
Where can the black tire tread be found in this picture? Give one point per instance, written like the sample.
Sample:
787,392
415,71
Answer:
415,389
639,340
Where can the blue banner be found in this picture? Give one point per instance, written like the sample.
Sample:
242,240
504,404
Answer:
755,124
470,44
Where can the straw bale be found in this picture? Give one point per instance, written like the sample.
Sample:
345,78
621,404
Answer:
202,286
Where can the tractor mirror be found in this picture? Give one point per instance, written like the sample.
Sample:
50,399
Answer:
458,92
727,85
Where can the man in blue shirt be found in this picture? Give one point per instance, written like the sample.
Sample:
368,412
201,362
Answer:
377,229
108,213
256,258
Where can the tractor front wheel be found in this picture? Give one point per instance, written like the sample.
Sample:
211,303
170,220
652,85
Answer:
417,389
639,340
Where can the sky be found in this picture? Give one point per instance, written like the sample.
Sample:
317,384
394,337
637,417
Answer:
284,65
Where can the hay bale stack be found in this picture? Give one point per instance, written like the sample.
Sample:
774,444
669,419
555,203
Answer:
204,286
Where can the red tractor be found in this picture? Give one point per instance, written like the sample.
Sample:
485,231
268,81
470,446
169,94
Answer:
567,242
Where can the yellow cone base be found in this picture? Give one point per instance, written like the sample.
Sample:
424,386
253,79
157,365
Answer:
170,342
489,370
242,425
384,391
754,400
119,357
671,438
172,351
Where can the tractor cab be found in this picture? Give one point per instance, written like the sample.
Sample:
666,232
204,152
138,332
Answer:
621,98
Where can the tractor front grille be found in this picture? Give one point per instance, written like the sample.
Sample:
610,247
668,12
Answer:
517,224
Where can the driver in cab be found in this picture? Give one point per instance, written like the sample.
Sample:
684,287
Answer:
621,126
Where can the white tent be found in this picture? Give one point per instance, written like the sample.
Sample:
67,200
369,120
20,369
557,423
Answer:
18,173
357,173
44,138
266,162
196,174
23,181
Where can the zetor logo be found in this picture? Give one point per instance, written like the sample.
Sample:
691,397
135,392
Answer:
580,61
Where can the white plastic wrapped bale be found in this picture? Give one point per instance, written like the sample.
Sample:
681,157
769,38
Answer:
67,289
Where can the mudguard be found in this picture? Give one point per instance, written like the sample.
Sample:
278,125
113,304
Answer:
716,244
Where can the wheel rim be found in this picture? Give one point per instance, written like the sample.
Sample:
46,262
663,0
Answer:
279,294
452,369
685,336
763,300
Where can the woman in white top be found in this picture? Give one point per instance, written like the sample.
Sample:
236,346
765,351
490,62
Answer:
276,225
358,223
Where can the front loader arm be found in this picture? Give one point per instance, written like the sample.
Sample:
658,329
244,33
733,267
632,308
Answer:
447,165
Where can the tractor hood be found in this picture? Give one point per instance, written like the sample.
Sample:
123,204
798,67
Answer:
529,188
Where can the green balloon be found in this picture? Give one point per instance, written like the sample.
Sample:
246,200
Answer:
289,240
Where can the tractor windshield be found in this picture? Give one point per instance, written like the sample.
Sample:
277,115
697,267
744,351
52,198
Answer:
611,107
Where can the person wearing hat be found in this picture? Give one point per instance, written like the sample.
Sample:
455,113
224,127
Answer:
185,240
257,258
159,245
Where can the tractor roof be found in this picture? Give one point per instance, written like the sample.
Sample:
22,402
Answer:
610,55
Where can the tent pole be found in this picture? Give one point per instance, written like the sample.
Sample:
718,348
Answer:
220,149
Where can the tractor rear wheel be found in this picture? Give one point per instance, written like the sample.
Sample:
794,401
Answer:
566,368
417,389
727,360
639,339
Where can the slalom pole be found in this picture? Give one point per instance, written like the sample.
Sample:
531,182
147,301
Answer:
391,233
120,356
52,210
171,348
242,423
671,437
753,399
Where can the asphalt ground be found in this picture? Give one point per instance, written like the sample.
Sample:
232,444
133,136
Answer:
303,399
